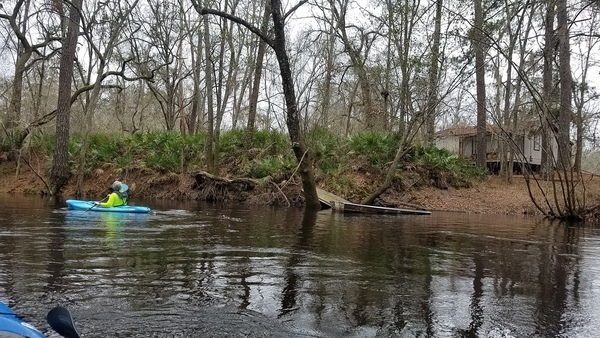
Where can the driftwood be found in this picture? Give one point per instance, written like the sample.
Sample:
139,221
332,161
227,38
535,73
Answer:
239,184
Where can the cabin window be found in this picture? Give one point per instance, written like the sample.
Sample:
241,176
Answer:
536,142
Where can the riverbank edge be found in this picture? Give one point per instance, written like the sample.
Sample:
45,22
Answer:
489,196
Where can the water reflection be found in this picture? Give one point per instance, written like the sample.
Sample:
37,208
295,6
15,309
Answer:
297,253
110,225
256,272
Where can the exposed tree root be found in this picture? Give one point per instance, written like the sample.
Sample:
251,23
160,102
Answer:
209,187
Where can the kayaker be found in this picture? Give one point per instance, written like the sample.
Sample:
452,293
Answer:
117,198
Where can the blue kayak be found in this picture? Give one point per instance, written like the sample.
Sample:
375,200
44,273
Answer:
11,326
89,206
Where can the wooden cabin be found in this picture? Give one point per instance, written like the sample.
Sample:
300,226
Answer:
463,141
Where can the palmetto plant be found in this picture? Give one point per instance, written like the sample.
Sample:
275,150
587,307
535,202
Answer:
445,164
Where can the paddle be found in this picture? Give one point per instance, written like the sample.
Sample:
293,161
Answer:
94,204
60,320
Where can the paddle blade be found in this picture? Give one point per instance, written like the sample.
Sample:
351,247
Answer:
90,208
60,320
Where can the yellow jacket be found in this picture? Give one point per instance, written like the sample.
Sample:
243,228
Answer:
114,200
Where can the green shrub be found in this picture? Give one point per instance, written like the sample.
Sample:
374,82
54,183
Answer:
327,149
42,143
103,148
378,148
448,164
275,142
271,166
232,140
168,151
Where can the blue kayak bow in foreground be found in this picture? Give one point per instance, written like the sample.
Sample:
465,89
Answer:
59,319
11,326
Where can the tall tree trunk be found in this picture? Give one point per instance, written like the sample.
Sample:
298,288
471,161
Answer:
197,97
407,23
224,85
179,89
385,93
565,114
507,126
480,84
432,97
548,91
210,155
579,129
258,67
328,78
504,144
60,172
305,163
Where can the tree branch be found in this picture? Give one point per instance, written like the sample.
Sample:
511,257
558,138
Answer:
255,30
293,9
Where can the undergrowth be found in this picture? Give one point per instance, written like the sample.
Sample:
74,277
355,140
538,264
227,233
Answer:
270,154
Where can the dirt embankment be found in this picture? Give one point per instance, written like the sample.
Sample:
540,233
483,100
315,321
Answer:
491,196
26,179
495,196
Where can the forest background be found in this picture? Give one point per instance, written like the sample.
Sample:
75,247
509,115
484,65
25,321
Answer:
357,86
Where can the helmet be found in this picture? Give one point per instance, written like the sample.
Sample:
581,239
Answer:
116,185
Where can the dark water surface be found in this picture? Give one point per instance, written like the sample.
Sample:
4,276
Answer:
200,270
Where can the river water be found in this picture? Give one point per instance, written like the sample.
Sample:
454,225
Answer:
203,270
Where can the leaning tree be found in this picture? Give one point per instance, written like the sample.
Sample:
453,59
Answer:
278,44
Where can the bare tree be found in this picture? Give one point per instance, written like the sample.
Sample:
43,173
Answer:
278,44
196,56
511,107
165,33
357,43
227,61
18,21
102,36
583,94
567,197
